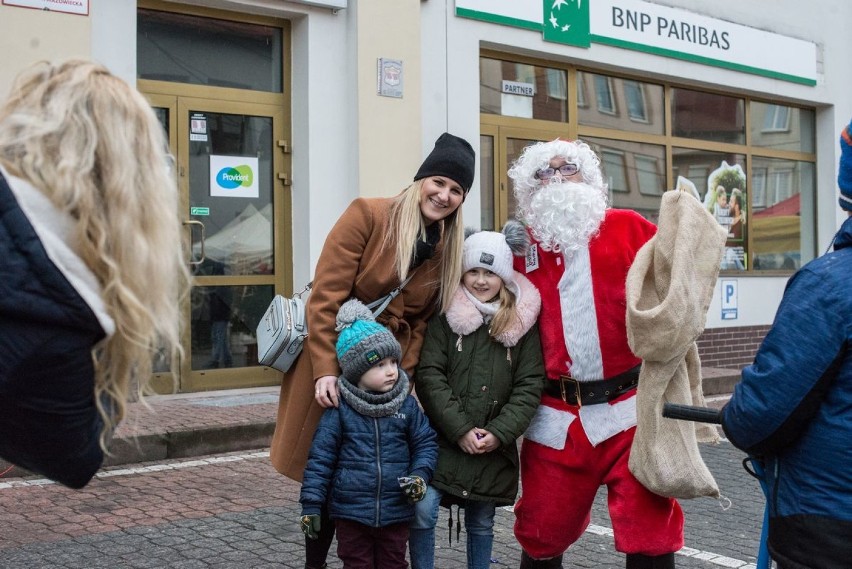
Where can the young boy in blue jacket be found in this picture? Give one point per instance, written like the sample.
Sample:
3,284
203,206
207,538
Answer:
372,456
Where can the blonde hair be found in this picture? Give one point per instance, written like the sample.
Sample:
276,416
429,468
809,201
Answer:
506,313
93,146
407,227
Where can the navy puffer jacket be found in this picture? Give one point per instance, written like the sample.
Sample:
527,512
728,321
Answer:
357,459
794,407
48,420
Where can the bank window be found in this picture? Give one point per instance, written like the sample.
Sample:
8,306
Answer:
708,116
603,94
644,103
635,101
648,175
776,119
758,183
522,90
582,100
557,87
205,51
783,225
614,170
781,127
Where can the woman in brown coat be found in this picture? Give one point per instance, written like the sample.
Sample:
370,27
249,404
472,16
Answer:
375,245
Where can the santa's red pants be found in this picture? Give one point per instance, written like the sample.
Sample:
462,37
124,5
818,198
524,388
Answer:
559,487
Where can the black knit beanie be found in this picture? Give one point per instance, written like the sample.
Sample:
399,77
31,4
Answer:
452,157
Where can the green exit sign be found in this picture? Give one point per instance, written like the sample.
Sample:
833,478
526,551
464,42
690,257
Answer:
199,211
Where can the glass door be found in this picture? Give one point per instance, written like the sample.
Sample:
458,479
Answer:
500,147
231,168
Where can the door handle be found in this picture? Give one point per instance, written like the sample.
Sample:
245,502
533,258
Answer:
195,222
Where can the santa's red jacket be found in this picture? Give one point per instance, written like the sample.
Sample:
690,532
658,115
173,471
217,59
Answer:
583,306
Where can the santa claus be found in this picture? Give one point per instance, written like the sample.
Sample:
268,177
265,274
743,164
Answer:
581,435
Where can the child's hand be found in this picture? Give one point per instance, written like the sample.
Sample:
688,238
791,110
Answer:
310,525
487,441
471,442
413,486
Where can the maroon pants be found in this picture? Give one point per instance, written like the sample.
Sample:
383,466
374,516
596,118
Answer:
365,547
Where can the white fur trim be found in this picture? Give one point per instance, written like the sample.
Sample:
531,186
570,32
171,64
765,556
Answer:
602,421
580,321
54,229
549,427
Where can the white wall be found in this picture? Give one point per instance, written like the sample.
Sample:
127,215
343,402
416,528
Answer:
30,35
114,36
451,90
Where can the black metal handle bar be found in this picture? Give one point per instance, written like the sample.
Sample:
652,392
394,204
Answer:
692,413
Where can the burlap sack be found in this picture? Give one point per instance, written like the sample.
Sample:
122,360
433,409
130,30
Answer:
669,289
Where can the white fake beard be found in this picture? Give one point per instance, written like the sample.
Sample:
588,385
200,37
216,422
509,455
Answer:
565,216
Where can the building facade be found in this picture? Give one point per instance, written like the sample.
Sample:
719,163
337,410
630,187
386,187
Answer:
279,113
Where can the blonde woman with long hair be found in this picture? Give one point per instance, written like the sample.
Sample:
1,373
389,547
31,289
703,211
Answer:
375,245
91,267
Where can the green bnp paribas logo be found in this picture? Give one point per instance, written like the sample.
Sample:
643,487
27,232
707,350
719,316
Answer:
567,21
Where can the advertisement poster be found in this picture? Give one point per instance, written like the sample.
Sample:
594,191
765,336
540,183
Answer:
725,200
233,176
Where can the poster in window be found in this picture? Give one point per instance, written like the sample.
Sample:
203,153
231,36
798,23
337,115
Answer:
725,200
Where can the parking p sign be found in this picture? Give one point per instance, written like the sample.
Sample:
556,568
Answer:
729,299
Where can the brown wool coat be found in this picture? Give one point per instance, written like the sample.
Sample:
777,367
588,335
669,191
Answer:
352,264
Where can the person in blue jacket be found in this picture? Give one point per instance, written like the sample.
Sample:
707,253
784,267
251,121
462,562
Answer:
793,406
91,274
372,456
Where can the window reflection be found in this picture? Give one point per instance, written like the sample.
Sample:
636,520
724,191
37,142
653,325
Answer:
603,95
206,51
634,172
622,104
708,116
635,101
782,213
781,127
504,89
224,323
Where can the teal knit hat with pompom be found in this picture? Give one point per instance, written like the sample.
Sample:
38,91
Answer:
362,342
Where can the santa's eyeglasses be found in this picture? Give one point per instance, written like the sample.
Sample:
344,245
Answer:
566,170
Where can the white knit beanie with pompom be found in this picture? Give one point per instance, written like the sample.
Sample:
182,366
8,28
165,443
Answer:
493,251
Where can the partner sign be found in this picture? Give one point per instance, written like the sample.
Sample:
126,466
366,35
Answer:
233,176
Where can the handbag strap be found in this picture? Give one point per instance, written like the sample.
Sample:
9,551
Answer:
383,302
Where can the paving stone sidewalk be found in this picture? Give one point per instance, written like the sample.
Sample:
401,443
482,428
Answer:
203,423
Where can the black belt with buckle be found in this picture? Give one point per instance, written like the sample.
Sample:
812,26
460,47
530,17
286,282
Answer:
579,393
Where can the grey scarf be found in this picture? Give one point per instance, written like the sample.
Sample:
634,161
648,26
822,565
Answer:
375,404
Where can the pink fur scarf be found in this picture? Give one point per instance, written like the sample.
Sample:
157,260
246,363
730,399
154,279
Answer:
464,318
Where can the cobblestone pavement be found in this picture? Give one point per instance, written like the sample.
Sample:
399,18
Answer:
234,511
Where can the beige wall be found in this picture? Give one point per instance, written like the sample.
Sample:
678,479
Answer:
389,129
31,35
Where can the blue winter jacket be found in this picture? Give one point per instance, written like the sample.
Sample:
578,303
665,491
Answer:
48,420
357,459
793,406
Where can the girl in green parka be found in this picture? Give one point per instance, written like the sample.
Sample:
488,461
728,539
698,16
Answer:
479,379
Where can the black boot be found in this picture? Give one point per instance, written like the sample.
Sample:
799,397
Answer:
528,562
639,561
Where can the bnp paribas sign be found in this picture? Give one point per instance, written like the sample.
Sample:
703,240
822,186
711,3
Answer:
648,27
